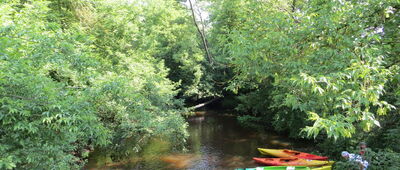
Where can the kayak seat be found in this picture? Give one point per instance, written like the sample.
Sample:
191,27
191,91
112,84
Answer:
288,160
293,152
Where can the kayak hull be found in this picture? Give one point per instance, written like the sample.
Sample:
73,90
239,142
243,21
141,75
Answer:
286,153
291,162
323,168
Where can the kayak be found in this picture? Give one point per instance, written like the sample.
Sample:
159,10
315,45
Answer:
323,168
286,153
291,162
277,168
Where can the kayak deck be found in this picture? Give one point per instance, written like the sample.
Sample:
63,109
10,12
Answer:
290,162
286,153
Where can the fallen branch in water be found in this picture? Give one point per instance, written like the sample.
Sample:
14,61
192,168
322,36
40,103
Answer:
204,104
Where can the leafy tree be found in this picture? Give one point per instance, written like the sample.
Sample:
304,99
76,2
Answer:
323,58
45,124
77,75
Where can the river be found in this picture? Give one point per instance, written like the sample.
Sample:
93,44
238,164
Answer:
216,141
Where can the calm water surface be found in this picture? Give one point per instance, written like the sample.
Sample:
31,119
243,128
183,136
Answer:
216,142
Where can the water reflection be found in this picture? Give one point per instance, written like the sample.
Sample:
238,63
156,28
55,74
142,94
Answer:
180,161
280,143
215,142
197,119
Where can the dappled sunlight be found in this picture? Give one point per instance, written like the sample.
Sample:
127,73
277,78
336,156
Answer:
236,161
180,160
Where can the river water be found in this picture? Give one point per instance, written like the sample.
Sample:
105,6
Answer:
216,141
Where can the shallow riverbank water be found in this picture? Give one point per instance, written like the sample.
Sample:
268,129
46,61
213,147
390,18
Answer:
216,142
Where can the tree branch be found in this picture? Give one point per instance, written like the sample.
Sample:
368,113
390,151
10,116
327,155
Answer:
203,38
204,104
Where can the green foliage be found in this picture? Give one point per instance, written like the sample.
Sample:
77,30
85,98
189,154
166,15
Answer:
327,59
159,28
348,165
377,160
42,120
383,160
387,137
75,75
392,138
332,148
225,18
250,121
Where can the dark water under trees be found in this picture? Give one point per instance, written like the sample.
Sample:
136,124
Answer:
216,142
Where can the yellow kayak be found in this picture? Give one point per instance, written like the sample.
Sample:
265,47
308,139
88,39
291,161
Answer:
286,153
323,168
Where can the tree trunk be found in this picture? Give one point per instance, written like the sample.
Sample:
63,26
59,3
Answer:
204,104
202,35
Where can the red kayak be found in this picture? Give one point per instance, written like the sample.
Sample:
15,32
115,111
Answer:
291,162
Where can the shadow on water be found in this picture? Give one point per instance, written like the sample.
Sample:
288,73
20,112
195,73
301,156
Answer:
216,142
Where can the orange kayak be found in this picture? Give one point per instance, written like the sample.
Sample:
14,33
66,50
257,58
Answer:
291,162
286,153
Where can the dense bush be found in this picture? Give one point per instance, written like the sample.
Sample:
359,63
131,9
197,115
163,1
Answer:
75,75
45,121
330,60
328,70
377,160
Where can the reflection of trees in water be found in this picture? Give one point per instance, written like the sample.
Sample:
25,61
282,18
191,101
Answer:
235,161
180,160
280,143
197,119
215,142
